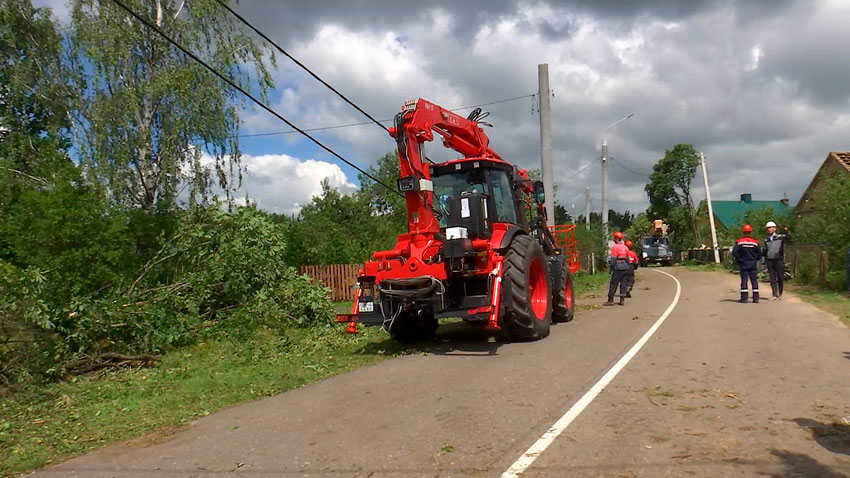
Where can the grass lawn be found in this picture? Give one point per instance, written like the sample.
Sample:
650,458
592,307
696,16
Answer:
45,424
40,425
835,302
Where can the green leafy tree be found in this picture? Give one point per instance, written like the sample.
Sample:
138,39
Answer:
144,111
637,230
334,228
33,106
669,191
389,217
831,224
51,218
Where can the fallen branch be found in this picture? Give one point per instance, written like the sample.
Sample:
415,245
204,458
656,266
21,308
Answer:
109,360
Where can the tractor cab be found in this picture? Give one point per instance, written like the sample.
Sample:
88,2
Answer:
476,194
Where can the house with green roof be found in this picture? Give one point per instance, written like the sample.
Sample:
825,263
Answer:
730,213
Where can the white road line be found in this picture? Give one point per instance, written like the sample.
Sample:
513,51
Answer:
527,458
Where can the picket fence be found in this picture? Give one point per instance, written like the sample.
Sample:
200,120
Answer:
339,278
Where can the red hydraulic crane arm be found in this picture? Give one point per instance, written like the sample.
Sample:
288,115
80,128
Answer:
416,124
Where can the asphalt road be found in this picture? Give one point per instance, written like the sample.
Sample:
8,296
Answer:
720,389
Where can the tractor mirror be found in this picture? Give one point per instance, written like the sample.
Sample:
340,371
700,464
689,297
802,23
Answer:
539,192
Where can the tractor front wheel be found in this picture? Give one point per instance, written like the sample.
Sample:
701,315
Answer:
528,305
564,305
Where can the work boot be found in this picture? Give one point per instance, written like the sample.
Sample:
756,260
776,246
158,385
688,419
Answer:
629,294
743,299
610,301
755,297
622,300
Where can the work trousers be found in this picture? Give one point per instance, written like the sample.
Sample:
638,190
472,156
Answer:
776,269
752,276
618,278
630,279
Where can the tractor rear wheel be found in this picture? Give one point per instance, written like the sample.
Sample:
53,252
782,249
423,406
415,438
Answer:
528,305
409,328
563,306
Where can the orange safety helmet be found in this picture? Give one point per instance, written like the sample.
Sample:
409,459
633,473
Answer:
747,228
618,235
629,244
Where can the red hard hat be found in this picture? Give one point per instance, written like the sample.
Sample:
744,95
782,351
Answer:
629,244
618,235
747,228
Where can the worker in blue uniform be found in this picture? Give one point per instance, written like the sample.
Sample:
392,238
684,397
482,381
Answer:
747,254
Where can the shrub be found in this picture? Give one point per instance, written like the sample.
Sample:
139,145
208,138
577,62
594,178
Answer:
220,274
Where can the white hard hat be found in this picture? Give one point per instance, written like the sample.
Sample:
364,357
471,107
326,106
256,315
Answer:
770,224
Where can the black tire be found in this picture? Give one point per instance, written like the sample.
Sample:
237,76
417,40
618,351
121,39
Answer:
528,309
410,329
563,304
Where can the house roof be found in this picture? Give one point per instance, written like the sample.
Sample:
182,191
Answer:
730,213
839,158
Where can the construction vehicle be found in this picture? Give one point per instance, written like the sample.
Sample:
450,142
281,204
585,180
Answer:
655,247
471,250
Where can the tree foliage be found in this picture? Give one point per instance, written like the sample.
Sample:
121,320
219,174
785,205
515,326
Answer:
144,111
831,225
95,254
669,191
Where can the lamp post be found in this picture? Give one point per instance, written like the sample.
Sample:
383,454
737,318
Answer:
605,175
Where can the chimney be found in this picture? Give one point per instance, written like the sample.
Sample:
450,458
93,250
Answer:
747,198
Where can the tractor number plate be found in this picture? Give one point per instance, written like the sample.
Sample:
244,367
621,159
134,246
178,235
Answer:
366,307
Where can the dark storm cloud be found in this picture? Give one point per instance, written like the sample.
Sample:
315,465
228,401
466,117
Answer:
296,18
757,85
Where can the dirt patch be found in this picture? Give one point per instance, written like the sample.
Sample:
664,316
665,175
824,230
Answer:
159,436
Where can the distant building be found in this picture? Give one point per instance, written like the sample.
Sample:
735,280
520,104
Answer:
835,163
730,213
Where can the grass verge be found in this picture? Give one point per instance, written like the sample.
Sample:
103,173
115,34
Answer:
40,425
45,424
835,302
709,266
583,283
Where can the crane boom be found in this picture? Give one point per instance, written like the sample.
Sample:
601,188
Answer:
416,124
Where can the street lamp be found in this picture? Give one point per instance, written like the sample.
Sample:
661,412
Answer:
605,175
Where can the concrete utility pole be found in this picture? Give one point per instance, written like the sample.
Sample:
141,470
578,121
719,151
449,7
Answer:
605,189
605,176
710,210
546,140
587,208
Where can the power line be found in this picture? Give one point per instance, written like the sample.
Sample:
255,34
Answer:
579,172
629,169
361,123
247,94
295,60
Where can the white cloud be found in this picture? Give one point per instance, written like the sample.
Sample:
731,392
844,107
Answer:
282,183
755,57
61,9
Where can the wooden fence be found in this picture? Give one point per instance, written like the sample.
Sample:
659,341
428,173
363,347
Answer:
339,278
814,254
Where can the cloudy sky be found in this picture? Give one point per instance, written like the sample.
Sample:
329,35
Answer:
762,87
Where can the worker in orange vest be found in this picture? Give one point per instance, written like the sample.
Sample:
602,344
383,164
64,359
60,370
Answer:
619,262
630,274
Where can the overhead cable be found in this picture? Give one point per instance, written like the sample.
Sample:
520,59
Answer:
620,163
246,93
361,123
295,60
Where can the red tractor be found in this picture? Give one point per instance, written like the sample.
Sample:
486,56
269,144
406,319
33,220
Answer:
471,249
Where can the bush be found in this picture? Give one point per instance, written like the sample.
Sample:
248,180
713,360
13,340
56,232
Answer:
220,274
23,318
